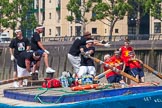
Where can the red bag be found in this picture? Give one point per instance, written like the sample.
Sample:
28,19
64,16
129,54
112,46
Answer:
51,83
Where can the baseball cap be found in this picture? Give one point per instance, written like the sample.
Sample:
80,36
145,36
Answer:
18,30
106,56
39,27
37,54
90,40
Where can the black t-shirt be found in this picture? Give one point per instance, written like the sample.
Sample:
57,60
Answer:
34,41
75,48
19,46
87,61
25,55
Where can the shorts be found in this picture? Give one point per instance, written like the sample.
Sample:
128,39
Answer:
127,70
137,71
40,51
83,70
114,79
15,65
21,72
75,61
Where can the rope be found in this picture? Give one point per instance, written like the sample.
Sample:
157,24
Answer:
37,97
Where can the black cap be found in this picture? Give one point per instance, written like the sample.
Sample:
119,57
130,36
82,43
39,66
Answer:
37,54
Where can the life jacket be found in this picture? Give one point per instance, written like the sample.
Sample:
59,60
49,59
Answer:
51,83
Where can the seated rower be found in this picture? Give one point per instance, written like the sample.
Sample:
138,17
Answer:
115,61
135,67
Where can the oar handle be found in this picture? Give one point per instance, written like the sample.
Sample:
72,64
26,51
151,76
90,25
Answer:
14,79
153,71
102,74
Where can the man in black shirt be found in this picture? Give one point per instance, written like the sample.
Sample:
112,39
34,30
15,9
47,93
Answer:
36,45
25,63
74,52
87,64
18,45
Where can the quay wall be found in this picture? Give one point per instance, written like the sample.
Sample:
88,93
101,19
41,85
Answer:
149,51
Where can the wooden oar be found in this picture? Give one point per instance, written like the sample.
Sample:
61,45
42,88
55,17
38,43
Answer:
153,71
115,69
102,74
150,69
14,79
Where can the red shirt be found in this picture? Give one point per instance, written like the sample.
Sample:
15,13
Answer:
134,64
125,54
117,60
112,61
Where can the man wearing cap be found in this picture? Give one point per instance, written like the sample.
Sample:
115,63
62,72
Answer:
25,62
74,52
117,62
36,45
87,64
18,45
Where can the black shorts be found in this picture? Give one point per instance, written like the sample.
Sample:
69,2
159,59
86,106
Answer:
114,79
127,70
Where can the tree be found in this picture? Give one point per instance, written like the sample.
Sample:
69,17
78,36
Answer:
112,11
18,13
78,9
142,8
154,8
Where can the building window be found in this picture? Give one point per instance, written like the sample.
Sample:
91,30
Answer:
158,12
157,27
78,19
43,34
49,15
71,31
78,30
116,30
105,30
79,2
49,31
131,30
94,30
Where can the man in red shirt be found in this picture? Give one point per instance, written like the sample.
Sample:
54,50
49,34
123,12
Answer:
115,61
124,50
135,67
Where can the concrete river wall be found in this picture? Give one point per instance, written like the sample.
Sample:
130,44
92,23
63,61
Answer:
149,51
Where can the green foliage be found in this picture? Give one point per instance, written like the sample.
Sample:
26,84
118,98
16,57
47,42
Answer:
78,10
17,13
70,18
154,8
112,11
101,11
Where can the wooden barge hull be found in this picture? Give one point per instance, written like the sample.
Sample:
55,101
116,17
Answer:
134,97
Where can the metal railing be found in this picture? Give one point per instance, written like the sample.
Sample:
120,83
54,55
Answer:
106,38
